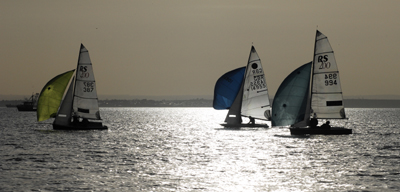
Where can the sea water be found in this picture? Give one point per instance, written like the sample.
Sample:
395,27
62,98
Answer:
185,149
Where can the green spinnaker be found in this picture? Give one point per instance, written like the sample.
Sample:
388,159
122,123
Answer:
290,102
51,95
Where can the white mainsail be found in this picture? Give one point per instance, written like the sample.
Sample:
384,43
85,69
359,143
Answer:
326,92
85,102
255,101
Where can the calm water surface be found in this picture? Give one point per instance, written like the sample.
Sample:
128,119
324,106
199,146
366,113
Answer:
185,149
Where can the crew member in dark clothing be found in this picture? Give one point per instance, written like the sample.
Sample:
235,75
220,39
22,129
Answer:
313,123
326,125
252,121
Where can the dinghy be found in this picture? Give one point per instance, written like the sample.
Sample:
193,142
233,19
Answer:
244,92
311,92
78,108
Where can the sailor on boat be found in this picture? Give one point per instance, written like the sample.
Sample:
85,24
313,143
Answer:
252,121
313,123
326,125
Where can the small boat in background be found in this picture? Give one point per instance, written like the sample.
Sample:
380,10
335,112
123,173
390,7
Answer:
28,105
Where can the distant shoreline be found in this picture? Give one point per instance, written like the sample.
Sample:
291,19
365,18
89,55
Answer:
349,103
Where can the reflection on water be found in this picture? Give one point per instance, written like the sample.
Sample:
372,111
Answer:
185,149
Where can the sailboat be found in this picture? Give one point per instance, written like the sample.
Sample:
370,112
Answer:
311,92
71,98
244,92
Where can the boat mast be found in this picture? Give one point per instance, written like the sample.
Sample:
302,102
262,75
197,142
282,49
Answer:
312,75
76,77
244,78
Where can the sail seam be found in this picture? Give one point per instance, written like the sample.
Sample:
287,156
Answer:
86,80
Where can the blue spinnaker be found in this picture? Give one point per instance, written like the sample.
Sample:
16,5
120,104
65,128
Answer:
227,87
290,101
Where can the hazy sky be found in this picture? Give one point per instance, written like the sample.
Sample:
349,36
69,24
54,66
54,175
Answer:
183,47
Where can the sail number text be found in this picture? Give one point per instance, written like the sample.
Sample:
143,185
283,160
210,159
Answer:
259,83
257,71
331,79
88,86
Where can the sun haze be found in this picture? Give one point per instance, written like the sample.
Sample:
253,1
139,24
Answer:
167,48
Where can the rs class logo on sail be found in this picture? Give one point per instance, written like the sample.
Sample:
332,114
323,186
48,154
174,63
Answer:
323,60
83,72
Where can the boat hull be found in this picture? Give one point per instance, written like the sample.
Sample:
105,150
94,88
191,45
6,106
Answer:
310,131
80,126
25,108
244,125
